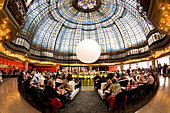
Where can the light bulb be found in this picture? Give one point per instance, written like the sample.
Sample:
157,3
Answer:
5,22
1,6
168,23
165,14
162,7
163,20
168,18
166,29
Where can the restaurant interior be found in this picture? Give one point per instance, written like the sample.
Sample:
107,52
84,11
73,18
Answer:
84,56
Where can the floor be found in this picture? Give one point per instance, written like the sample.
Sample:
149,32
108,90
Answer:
89,101
87,82
12,102
161,101
86,102
87,88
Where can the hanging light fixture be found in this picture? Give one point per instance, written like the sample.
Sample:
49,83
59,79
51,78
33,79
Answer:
88,51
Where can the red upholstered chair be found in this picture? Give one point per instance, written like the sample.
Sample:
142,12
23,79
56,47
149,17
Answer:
119,101
111,100
45,103
55,103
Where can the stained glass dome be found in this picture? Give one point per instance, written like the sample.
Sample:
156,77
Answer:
59,25
87,4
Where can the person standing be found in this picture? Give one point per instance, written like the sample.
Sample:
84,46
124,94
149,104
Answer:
164,68
159,68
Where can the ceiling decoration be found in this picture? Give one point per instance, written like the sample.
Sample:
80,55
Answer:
58,26
159,14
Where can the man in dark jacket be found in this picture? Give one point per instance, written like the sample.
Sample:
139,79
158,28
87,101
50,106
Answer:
97,79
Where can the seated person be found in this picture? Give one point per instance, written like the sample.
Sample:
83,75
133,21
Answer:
78,81
20,78
49,91
45,81
153,74
116,77
150,82
150,79
134,79
124,76
109,75
65,77
118,74
141,78
115,88
66,87
97,81
28,85
58,79
34,79
103,79
107,85
72,82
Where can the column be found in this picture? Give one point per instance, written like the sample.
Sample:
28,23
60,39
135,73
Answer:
90,67
70,68
26,65
121,67
57,67
79,69
153,62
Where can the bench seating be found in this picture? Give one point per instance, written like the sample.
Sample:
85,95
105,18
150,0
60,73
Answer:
74,91
103,95
100,91
1,79
123,82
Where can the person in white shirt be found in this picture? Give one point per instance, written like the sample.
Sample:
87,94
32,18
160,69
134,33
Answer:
141,78
72,82
34,79
150,82
150,79
58,79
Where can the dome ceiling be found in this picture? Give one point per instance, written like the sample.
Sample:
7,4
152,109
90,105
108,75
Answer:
59,25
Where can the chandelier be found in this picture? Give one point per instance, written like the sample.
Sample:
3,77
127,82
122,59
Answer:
87,4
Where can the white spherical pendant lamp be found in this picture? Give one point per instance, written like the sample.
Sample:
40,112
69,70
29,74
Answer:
88,51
